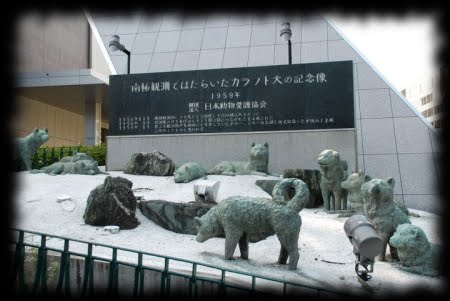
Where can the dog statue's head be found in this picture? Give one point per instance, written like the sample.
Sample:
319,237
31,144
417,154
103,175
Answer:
411,243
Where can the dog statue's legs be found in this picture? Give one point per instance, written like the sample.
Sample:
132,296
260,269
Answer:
394,253
290,244
243,246
326,200
231,241
282,259
384,242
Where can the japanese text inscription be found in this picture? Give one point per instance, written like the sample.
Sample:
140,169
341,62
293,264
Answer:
270,98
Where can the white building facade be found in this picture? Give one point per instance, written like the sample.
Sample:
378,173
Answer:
425,96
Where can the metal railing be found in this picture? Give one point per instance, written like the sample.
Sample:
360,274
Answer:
51,269
46,156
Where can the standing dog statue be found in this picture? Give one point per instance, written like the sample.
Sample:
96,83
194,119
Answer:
26,146
244,219
333,172
381,211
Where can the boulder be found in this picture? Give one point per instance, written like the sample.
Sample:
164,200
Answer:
312,179
175,217
267,185
112,203
150,164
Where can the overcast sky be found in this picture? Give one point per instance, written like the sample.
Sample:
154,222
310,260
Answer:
402,49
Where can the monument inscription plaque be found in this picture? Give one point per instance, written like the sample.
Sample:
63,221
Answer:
269,98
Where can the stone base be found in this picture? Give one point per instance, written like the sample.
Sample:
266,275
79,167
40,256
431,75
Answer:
175,217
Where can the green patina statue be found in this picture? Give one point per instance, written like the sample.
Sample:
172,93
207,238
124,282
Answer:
381,211
415,252
26,146
80,163
248,219
258,164
333,171
188,172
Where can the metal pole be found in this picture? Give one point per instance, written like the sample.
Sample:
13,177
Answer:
128,63
290,52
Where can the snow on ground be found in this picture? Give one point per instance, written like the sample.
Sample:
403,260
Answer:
326,257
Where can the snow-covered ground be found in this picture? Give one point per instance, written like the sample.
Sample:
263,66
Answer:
326,257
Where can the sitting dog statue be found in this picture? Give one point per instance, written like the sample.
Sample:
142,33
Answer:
246,219
333,171
258,164
415,252
355,203
26,146
380,210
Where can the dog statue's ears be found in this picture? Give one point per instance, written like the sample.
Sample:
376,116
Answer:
197,222
266,144
391,182
253,144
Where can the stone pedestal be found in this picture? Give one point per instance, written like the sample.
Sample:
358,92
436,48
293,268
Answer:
175,217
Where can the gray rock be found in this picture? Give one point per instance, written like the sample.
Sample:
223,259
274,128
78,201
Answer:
175,217
112,203
150,164
267,185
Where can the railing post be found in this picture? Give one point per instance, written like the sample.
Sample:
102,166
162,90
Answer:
193,281
53,156
44,158
222,284
19,259
88,278
164,276
41,267
61,154
138,278
36,160
64,270
113,274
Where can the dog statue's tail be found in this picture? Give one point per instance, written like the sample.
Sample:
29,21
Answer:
283,191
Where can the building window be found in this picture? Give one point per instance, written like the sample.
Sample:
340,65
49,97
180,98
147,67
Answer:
404,92
424,113
430,112
423,99
437,123
426,99
438,109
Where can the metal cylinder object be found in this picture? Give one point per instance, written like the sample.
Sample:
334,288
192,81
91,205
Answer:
363,236
206,191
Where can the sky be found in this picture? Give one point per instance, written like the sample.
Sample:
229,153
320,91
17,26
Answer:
402,49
